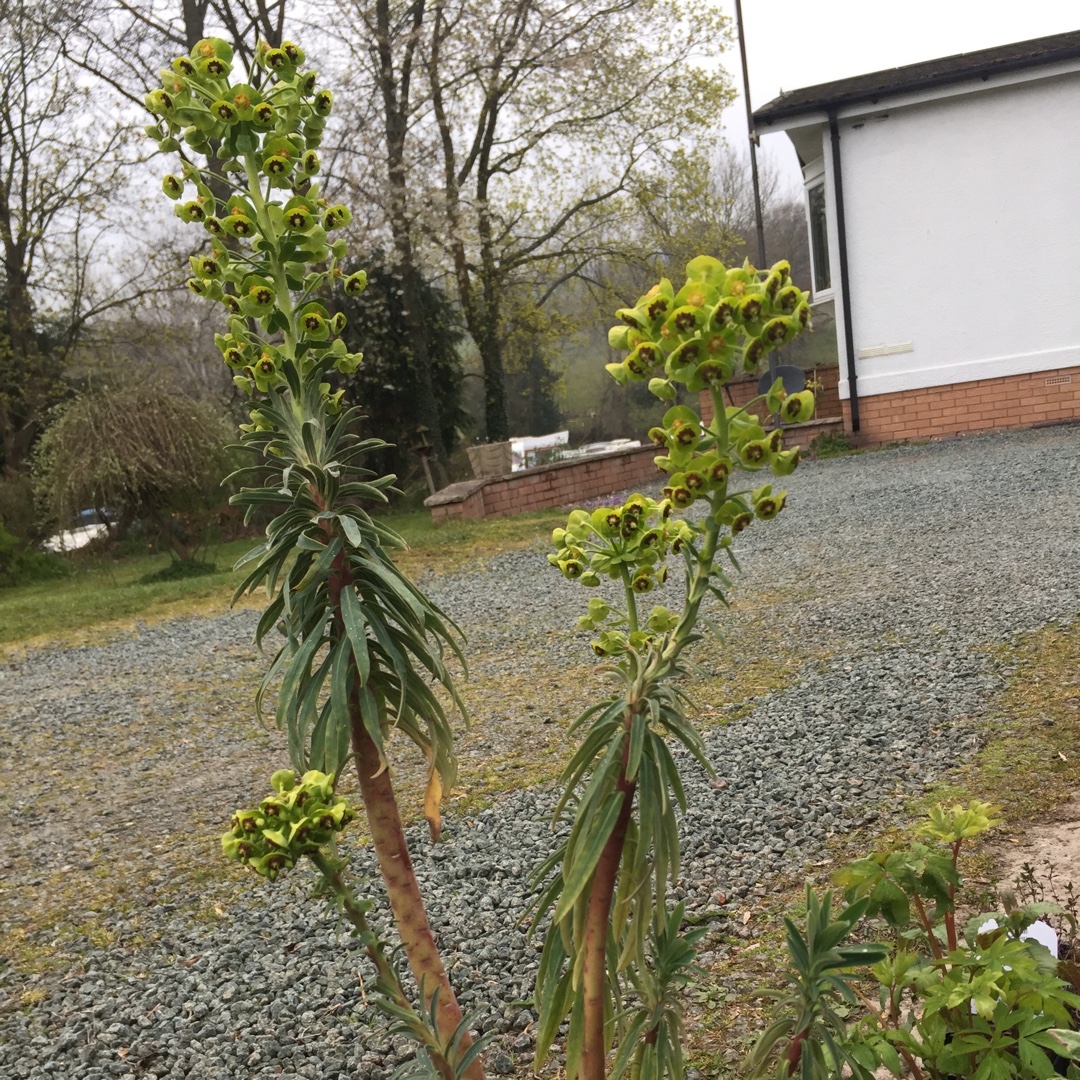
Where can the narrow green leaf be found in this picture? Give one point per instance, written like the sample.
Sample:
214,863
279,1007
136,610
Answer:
307,716
351,530
295,676
575,1039
553,1012
320,568
372,714
352,615
585,860
336,739
638,727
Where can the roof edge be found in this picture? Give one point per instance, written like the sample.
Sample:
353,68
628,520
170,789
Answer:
925,75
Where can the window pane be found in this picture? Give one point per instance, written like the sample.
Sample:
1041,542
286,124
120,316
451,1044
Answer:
819,239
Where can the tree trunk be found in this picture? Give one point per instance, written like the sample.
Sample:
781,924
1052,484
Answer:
26,386
489,342
394,87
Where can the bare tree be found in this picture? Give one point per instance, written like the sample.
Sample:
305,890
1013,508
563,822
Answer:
62,159
550,116
125,42
513,134
382,156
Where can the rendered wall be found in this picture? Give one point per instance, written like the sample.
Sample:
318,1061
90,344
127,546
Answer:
963,223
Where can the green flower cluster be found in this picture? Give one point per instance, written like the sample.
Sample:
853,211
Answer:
719,322
270,137
699,466
632,539
297,820
615,634
628,542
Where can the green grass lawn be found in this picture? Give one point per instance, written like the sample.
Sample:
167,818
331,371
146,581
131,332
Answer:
105,590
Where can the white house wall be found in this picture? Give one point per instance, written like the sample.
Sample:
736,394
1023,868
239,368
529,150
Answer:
963,227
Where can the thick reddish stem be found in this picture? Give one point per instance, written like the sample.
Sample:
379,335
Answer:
950,918
594,973
388,838
794,1052
928,926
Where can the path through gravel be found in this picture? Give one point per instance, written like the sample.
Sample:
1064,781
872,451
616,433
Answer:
887,579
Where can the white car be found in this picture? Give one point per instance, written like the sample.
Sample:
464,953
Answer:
72,539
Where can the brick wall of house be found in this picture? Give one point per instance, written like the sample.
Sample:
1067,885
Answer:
563,483
827,399
940,411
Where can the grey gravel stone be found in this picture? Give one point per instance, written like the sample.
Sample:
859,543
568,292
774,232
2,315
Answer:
901,566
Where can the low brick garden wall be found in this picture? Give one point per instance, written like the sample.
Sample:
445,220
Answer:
568,483
562,483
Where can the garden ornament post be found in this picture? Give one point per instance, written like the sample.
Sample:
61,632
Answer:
361,641
614,958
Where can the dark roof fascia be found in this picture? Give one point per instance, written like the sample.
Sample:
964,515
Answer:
926,75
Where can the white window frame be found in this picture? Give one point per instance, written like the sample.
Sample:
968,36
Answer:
813,177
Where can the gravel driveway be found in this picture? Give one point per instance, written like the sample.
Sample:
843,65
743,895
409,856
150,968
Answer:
869,605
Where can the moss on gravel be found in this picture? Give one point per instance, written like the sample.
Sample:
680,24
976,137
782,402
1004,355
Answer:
1029,764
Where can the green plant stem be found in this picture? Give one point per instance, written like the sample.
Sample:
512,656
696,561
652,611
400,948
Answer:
891,1016
356,915
389,984
699,583
594,969
950,915
281,284
928,926
631,602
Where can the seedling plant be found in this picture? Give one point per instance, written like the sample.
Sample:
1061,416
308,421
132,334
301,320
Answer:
941,1000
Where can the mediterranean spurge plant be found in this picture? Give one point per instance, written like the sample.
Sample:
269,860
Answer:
361,642
614,957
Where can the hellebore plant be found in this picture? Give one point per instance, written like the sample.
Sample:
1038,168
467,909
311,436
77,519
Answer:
361,640
613,957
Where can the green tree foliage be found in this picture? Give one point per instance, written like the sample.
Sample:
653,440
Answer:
388,382
136,448
533,382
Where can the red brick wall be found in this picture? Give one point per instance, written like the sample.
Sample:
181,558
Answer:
827,400
564,483
941,411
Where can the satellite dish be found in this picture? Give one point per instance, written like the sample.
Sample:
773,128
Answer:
794,379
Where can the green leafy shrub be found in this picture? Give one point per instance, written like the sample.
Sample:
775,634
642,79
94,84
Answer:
980,1002
140,449
21,564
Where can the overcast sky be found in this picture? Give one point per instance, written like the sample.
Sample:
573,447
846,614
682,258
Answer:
796,43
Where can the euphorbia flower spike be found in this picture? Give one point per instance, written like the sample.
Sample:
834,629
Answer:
276,275
609,904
